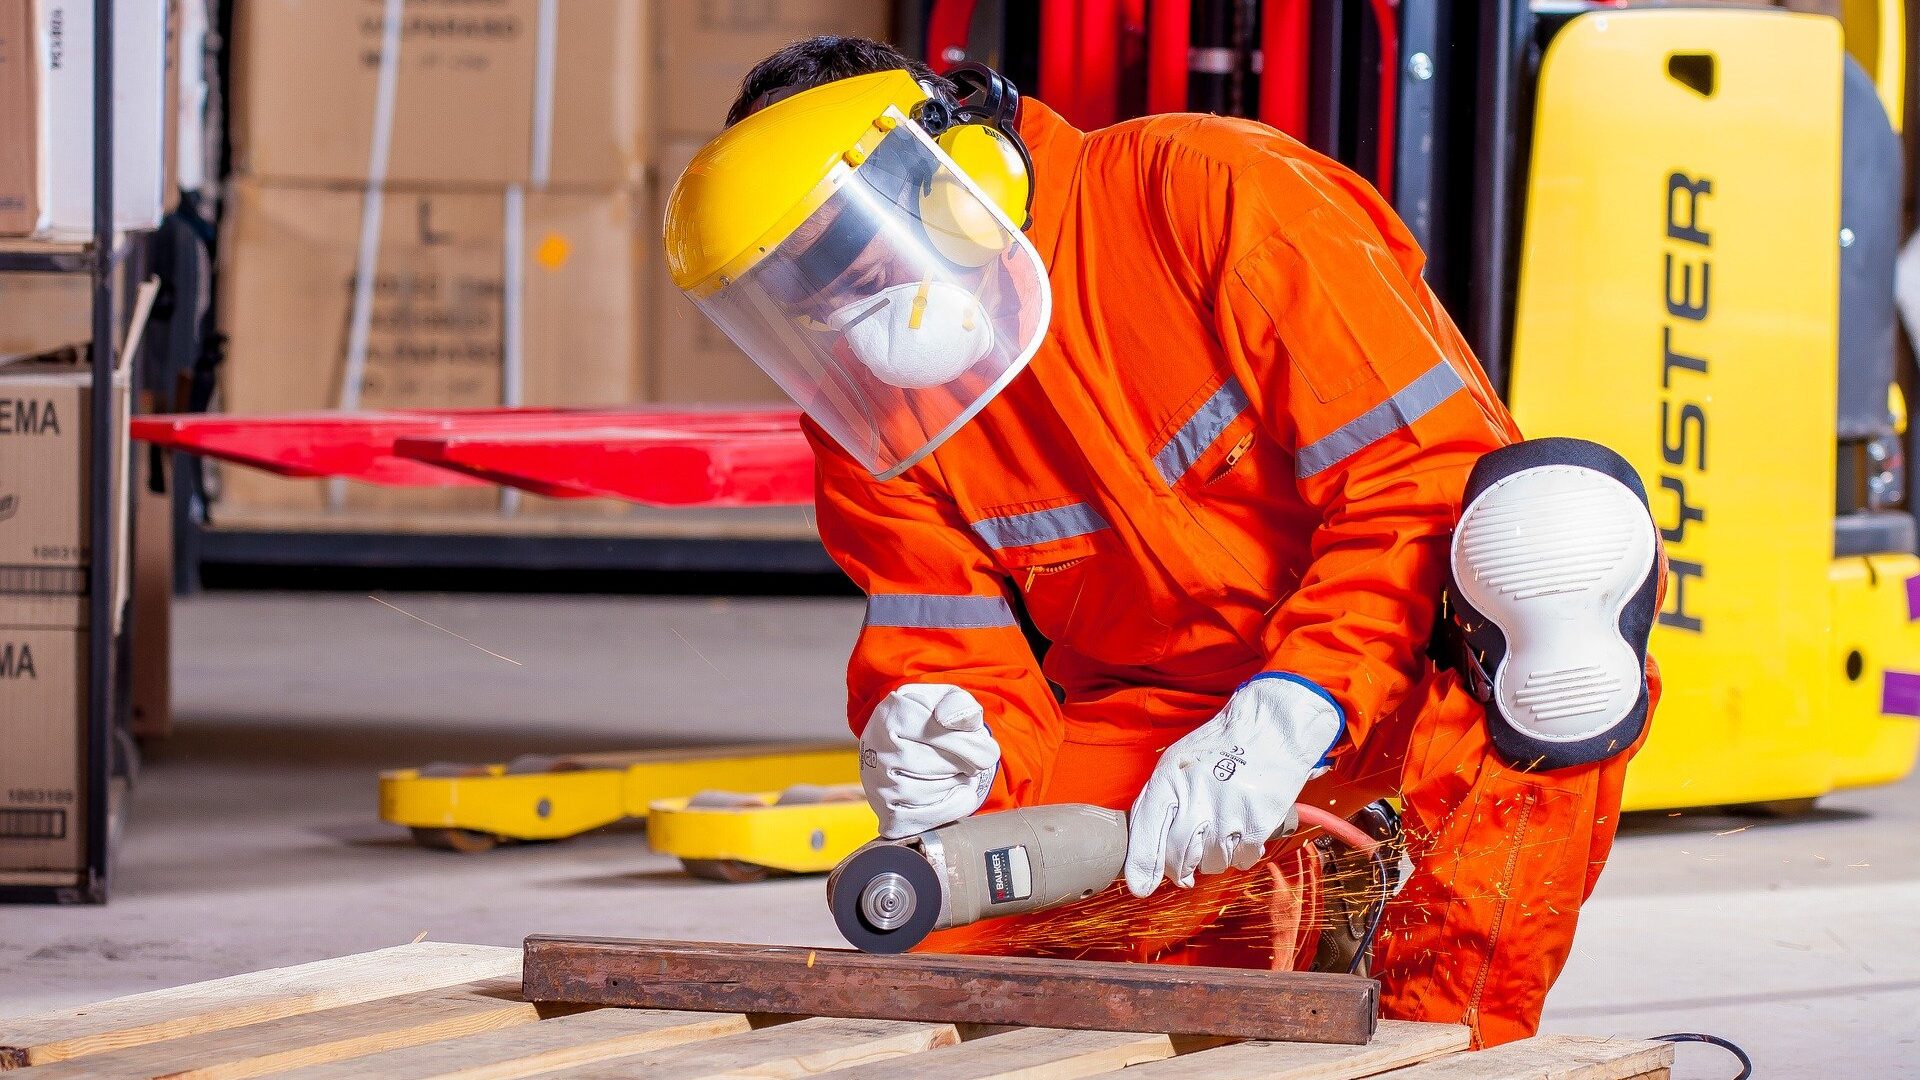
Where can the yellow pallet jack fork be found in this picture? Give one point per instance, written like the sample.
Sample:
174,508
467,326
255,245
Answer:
740,837
471,808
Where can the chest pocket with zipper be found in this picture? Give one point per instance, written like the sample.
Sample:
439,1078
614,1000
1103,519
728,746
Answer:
1084,590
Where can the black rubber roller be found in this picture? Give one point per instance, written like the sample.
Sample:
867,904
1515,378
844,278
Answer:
885,899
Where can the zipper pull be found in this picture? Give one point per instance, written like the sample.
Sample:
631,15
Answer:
1233,457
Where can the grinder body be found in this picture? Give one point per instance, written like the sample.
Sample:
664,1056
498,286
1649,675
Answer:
889,895
1028,860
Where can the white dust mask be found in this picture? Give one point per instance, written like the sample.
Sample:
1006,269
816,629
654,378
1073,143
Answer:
916,335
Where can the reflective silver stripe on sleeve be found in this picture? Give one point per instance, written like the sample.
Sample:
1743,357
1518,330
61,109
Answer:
926,612
1413,401
1039,526
1199,432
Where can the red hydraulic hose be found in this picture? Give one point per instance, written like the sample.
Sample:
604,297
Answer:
1060,56
1387,24
1335,826
1169,36
1099,63
1284,31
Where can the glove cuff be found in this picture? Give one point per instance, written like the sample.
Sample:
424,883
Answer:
1339,714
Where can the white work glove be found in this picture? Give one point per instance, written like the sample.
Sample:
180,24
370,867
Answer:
1220,793
926,758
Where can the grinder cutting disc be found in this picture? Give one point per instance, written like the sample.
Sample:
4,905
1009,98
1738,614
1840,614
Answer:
885,899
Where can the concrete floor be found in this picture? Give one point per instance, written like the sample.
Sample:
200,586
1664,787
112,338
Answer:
253,840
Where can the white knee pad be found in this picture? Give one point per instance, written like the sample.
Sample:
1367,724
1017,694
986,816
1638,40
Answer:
1554,568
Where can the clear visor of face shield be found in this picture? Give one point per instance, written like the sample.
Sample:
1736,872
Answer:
901,305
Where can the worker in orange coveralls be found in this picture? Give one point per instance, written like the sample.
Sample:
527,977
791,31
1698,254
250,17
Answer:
1176,389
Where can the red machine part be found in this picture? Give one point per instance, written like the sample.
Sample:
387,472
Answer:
768,467
670,457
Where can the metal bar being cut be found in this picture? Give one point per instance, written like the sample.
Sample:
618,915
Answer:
1284,1006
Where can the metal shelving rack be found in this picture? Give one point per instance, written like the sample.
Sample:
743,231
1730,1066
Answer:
106,700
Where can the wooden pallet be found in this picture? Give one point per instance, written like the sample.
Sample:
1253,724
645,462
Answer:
446,1011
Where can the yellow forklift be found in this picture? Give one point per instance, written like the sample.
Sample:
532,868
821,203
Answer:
1669,228
1705,281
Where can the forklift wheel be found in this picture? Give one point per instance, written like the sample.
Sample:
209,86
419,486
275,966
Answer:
729,870
464,841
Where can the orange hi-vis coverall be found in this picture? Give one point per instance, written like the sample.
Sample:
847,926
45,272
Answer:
1241,448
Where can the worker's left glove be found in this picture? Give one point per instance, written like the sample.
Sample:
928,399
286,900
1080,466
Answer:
1220,793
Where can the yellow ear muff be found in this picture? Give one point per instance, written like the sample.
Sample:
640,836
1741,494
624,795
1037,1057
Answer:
956,223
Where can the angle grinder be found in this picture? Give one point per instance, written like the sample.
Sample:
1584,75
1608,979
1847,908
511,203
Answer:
889,895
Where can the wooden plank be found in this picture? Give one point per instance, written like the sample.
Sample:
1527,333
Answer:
801,1048
529,1049
1028,1053
1548,1057
328,1035
1395,1044
247,999
1279,1005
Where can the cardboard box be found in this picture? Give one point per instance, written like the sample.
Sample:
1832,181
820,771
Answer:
707,46
438,306
468,105
40,313
22,159
43,710
46,416
690,360
65,32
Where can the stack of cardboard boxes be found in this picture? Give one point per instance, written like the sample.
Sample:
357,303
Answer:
461,209
46,418
707,47
433,212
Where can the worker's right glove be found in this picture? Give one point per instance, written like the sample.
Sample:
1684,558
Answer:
926,758
1220,793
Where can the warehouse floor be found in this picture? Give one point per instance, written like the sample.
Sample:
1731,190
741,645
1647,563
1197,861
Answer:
253,840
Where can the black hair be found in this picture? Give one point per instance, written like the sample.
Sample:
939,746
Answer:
817,61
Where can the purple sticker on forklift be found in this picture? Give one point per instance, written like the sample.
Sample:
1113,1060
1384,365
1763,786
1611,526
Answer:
1900,694
1913,598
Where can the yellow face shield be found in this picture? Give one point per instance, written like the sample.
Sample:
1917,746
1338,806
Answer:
896,306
